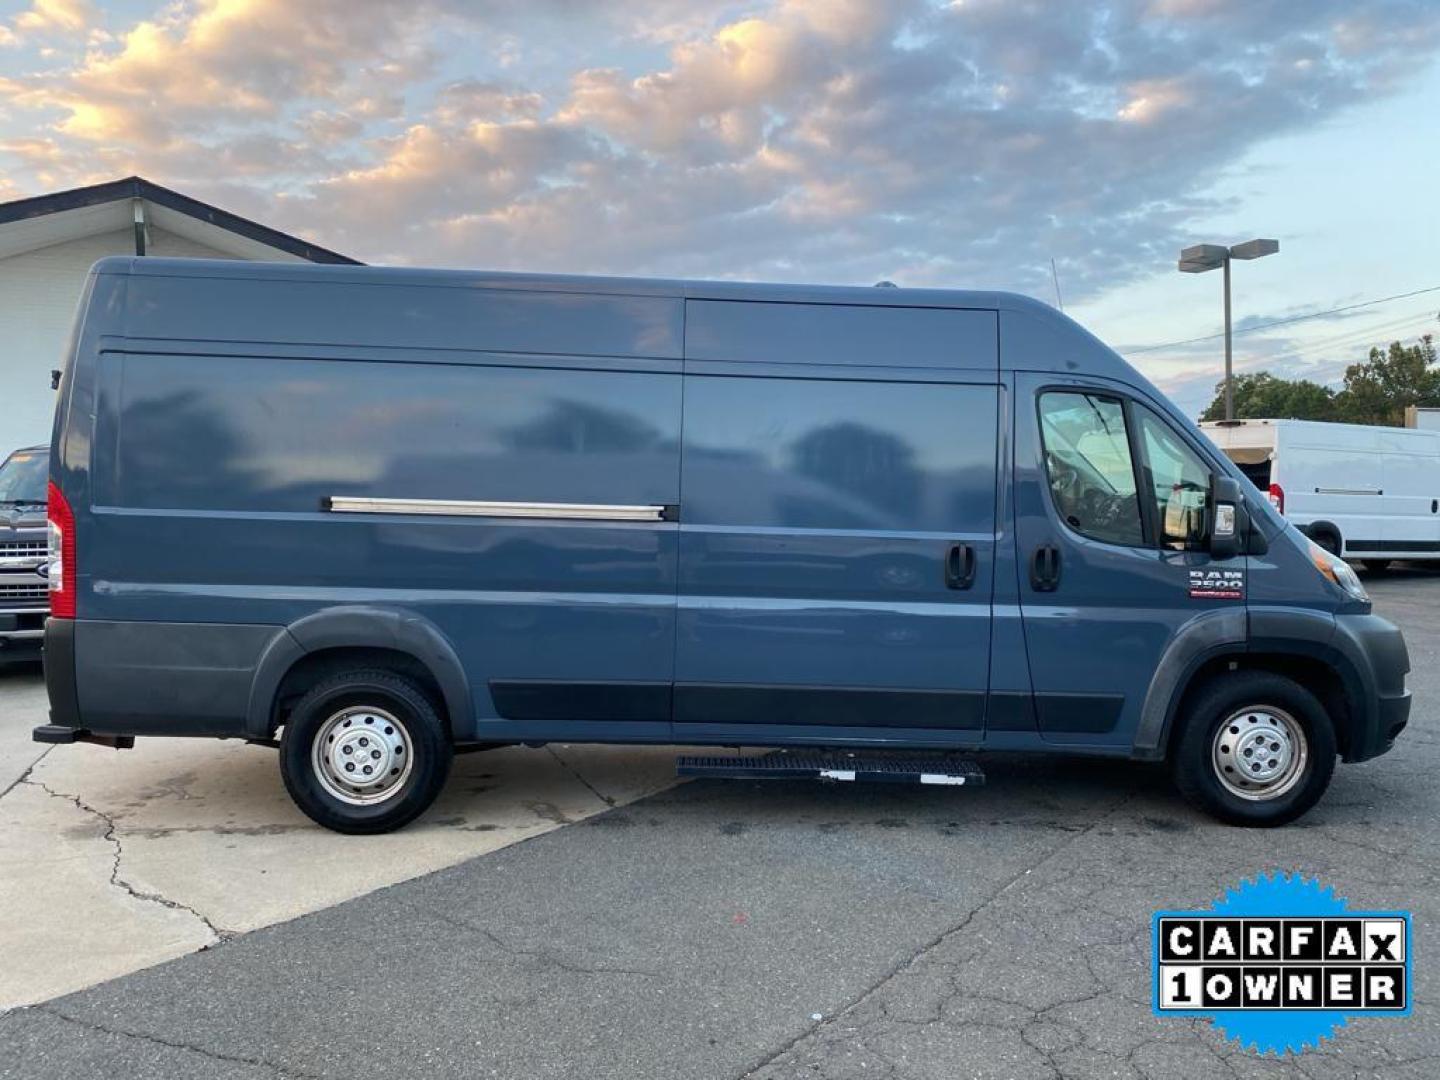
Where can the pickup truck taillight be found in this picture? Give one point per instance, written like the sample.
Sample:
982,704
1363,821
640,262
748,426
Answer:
1277,497
61,524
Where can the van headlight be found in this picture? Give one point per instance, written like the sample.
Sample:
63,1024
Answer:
1338,571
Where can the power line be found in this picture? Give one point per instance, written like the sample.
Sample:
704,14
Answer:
1282,322
1306,353
1316,366
1356,338
1340,343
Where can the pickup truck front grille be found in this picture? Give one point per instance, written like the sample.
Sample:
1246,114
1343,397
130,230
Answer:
24,592
23,549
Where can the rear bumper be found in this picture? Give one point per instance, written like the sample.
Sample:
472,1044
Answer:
55,734
107,679
60,673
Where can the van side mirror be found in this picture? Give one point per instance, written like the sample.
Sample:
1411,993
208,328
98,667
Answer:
1227,523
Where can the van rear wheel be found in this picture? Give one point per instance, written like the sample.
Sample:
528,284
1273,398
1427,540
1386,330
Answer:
364,751
1256,749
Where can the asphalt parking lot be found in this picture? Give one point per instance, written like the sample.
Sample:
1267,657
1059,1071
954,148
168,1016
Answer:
615,926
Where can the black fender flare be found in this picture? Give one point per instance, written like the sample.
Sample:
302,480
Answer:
1299,632
1366,651
1209,634
367,627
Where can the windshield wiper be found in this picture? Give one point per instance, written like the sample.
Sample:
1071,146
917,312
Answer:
22,502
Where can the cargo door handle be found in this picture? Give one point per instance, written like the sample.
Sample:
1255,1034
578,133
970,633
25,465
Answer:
1045,568
1434,505
960,566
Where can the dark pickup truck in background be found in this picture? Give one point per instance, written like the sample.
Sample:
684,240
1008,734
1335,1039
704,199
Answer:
24,588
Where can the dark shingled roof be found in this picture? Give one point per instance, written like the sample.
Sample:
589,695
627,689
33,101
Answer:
137,187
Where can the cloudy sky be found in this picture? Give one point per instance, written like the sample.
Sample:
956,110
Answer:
962,144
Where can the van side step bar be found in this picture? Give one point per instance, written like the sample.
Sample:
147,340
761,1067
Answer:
874,768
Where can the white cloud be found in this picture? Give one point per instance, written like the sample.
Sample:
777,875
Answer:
47,16
839,140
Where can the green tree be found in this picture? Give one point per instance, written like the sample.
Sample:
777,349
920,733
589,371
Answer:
1378,390
1262,395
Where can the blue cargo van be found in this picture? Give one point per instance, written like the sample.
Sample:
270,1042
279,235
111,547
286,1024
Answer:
375,516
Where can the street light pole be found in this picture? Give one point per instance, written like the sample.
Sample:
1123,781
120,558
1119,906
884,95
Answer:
1202,257
1229,366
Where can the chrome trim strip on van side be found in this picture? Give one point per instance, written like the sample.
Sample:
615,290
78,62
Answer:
1348,491
347,504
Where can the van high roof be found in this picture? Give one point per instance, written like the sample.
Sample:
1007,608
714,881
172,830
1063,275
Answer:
869,296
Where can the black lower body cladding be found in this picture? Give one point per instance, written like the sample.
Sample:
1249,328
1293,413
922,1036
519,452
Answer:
152,678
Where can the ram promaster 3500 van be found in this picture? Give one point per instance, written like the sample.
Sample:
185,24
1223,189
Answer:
387,514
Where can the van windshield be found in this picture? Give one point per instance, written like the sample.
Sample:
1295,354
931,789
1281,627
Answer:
22,478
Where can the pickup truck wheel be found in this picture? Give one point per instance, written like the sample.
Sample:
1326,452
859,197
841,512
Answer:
1256,749
364,752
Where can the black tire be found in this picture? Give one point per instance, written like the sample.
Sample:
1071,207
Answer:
1328,540
1226,702
1378,566
387,699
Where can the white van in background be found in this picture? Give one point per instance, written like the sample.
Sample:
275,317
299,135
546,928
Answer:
1361,492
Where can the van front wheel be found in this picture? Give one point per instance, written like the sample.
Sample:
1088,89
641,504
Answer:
364,752
1256,749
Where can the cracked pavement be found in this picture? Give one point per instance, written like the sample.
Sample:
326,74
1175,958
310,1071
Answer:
790,930
113,861
109,836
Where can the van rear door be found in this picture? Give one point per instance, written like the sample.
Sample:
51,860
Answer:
1410,472
1106,490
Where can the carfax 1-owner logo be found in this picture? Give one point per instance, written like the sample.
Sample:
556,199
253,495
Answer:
1281,963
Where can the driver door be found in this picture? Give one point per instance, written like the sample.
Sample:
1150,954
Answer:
1110,502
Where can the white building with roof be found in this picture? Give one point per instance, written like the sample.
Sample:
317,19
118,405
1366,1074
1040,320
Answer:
48,243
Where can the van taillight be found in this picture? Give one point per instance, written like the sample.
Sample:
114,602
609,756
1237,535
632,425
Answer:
62,554
1277,497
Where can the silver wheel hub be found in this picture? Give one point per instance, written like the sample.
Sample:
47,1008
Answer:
1259,753
362,755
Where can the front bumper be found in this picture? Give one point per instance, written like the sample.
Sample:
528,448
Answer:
1376,647
22,632
1394,715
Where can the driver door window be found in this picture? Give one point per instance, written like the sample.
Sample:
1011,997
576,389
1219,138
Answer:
1090,469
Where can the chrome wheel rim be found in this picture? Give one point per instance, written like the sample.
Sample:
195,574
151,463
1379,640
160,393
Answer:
362,755
1259,753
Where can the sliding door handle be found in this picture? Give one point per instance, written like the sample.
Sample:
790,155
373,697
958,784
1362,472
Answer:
959,566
